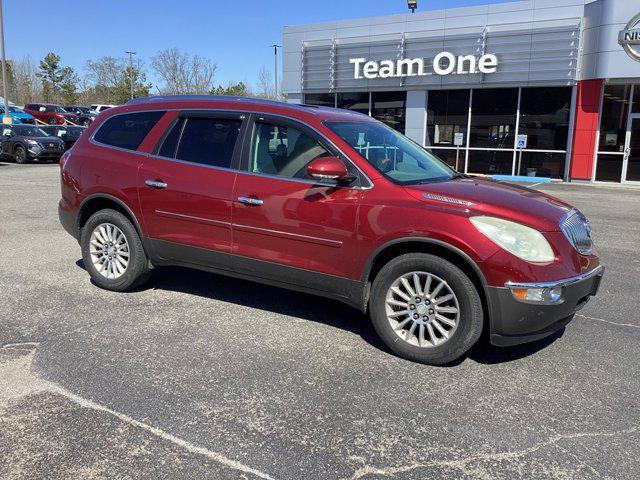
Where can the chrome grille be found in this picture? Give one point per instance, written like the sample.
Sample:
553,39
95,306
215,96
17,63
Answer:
577,229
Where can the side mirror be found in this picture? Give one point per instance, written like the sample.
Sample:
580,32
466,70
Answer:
329,168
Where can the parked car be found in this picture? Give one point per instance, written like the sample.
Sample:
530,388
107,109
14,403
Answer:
86,116
28,142
51,114
69,134
328,202
18,115
100,107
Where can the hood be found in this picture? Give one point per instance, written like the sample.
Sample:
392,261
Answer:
51,139
489,197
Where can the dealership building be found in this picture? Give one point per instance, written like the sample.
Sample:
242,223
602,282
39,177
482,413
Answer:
548,88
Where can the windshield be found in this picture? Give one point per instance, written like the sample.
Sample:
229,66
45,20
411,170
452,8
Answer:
391,153
29,131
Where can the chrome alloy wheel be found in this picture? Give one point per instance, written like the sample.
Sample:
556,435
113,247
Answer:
422,309
109,250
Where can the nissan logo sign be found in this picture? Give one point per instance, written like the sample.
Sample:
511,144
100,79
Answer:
629,38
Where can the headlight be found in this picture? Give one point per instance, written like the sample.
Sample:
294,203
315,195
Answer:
524,242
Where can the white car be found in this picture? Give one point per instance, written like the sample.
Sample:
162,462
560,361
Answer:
99,108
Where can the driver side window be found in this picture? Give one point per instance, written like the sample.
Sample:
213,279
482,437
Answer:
283,151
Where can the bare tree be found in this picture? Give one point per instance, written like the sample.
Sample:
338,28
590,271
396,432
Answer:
184,73
108,80
265,84
25,86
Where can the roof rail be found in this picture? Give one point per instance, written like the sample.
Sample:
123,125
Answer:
228,98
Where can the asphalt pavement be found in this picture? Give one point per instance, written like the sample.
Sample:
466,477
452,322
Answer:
202,376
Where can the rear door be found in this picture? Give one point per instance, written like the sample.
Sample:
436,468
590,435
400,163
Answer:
185,187
286,226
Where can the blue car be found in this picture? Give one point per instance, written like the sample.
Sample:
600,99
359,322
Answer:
18,115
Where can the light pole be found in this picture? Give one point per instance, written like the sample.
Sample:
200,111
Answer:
131,54
6,118
275,68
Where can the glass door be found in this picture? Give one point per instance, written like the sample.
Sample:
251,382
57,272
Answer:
631,165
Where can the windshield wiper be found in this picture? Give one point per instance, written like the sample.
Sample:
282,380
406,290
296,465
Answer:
459,175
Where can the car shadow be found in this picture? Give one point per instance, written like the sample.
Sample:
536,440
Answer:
310,307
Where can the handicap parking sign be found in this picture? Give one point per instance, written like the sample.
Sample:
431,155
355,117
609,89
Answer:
522,141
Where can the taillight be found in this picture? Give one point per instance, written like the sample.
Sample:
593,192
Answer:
63,159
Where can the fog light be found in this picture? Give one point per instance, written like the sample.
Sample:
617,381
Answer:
544,295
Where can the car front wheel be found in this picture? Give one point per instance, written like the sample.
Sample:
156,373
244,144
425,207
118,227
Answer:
53,121
426,309
20,155
112,251
86,122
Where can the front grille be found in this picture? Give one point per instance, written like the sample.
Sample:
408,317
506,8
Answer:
577,229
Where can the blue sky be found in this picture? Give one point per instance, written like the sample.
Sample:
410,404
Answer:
236,34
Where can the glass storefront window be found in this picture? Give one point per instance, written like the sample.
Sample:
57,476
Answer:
493,118
358,102
320,99
448,113
609,168
613,126
541,164
544,117
389,107
636,99
490,162
448,155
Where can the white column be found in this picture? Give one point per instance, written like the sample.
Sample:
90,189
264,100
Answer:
416,114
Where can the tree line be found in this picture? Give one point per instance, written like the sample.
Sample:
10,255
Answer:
108,79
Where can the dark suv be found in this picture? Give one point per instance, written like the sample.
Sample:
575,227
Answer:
69,134
85,115
27,142
329,202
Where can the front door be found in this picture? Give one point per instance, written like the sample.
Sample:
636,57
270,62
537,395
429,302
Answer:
287,227
186,189
631,165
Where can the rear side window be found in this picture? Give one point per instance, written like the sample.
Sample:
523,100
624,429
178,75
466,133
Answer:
209,141
128,130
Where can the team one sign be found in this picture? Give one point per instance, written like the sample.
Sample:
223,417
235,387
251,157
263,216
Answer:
445,63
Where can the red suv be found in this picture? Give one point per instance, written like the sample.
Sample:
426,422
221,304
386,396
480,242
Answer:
328,202
51,114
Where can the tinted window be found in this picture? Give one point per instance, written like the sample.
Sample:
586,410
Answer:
389,107
493,118
613,124
358,102
544,117
209,141
320,99
170,143
128,130
448,113
283,151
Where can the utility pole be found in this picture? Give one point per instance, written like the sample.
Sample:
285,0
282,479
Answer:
6,118
275,68
131,54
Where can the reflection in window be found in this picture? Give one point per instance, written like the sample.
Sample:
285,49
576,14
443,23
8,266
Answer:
283,151
389,107
320,99
448,112
542,164
615,107
493,118
448,155
490,162
544,117
358,102
209,141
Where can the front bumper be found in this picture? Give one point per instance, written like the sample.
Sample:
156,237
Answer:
514,321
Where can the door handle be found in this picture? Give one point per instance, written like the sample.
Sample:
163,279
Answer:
155,184
250,200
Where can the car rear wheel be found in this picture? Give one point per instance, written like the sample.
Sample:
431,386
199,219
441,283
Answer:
20,155
112,252
426,309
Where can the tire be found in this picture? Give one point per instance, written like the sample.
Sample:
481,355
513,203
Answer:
86,122
136,271
416,344
20,155
53,121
